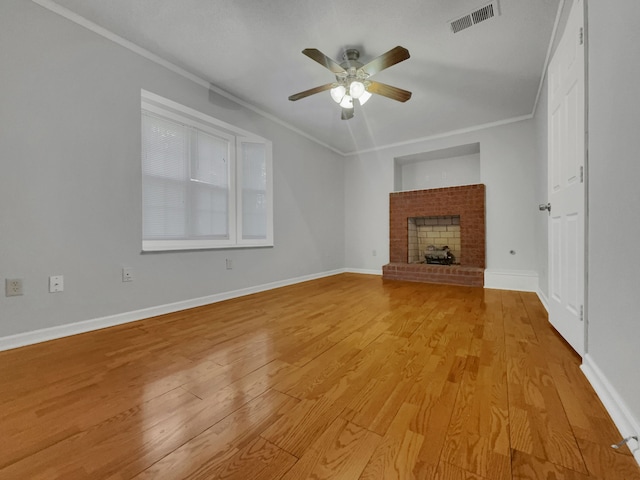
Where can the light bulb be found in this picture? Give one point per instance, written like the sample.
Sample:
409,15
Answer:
347,102
356,89
364,97
337,93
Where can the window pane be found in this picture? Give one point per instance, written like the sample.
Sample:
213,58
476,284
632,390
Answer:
210,186
164,169
210,211
163,209
164,148
254,215
210,160
254,184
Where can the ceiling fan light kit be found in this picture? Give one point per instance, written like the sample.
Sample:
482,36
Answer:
352,78
346,102
364,97
356,89
337,93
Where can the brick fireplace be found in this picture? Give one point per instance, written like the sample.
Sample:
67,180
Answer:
466,203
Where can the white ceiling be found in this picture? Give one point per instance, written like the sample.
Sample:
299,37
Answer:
252,49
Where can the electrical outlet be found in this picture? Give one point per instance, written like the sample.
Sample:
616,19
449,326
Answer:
229,264
56,283
374,253
13,287
127,274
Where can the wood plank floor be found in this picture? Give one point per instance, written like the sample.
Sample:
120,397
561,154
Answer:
347,377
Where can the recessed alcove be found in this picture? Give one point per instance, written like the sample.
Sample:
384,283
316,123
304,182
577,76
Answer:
447,167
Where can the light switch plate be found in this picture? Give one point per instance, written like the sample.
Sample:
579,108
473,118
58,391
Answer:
127,274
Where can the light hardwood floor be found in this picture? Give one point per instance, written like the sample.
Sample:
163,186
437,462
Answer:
347,377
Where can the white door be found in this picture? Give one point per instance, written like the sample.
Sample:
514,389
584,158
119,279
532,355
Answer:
566,159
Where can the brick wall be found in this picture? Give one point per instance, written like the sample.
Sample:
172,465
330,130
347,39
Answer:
467,202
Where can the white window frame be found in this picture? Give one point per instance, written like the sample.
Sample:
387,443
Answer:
165,108
241,241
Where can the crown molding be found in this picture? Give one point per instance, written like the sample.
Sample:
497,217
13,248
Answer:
444,134
52,6
547,59
103,32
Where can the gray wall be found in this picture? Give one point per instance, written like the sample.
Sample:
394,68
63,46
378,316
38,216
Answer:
614,196
70,182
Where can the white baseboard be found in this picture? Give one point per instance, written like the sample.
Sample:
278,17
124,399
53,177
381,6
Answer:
519,280
613,403
46,334
543,299
364,271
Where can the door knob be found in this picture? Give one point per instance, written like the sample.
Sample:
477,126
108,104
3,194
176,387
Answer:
545,206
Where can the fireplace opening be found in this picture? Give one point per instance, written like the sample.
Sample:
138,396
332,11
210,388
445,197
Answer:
434,240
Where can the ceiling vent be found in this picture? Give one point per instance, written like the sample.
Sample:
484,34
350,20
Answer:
480,15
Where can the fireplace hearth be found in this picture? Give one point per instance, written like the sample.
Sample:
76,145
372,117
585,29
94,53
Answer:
456,220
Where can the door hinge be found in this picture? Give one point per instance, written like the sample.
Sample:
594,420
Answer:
582,313
581,174
581,36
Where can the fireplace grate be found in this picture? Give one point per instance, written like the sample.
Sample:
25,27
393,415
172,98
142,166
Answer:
439,256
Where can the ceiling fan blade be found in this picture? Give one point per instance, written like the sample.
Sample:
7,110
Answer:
322,59
346,114
388,91
311,91
386,60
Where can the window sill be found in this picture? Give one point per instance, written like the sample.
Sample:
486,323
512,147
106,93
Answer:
186,245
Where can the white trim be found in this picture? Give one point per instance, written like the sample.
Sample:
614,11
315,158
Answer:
103,32
543,299
444,134
152,246
364,271
613,403
83,22
159,105
518,280
52,333
268,159
89,25
154,105
554,32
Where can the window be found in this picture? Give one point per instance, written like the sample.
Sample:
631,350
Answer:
205,183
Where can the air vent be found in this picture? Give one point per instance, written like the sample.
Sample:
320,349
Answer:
461,23
484,13
475,17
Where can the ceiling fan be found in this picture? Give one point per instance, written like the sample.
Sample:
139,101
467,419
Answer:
352,78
